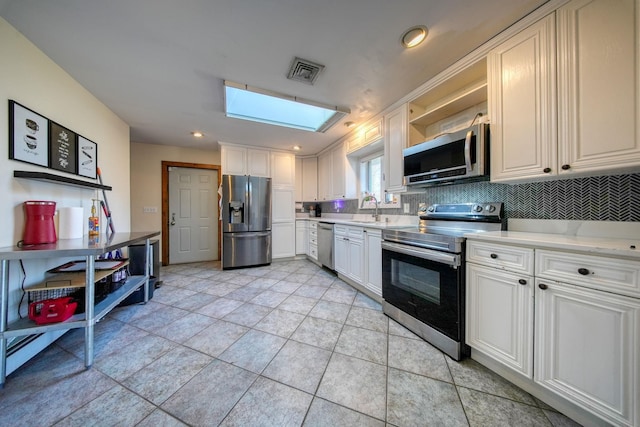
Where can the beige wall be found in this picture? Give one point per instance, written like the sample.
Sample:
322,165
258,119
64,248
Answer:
146,179
29,77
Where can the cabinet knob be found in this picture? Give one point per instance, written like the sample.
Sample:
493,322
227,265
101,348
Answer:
522,282
566,167
542,286
546,170
494,256
584,271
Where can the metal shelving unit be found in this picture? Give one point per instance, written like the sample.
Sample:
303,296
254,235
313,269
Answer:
90,249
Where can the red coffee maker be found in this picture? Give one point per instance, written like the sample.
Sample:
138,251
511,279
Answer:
39,227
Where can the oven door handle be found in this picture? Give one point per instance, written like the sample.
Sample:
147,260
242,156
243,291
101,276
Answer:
452,260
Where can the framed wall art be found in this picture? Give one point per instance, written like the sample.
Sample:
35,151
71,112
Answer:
87,157
28,135
63,154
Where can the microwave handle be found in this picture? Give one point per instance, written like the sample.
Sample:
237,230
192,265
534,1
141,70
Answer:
467,150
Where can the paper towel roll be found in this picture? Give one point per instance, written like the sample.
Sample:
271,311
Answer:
70,223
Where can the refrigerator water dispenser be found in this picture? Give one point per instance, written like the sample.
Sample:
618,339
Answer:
236,212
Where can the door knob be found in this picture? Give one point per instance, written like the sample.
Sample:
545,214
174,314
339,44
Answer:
173,219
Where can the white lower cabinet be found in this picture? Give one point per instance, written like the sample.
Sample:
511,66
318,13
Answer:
283,238
302,237
499,313
582,343
588,349
349,252
373,260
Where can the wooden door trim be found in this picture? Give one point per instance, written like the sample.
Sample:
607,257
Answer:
165,203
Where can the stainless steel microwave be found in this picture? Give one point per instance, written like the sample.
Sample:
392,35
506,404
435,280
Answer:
451,156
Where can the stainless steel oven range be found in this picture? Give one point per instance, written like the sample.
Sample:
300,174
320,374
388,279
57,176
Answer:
423,274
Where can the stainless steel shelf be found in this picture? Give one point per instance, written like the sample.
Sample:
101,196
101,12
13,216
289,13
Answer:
29,327
89,248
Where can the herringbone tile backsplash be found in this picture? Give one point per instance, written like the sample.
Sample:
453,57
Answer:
601,198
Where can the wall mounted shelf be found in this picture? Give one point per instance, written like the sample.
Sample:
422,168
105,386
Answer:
57,179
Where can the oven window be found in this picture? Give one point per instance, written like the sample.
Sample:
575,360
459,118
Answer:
429,291
416,280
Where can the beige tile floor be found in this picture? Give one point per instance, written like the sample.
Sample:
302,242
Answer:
283,345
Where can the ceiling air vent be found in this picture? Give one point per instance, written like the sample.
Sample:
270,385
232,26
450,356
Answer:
304,71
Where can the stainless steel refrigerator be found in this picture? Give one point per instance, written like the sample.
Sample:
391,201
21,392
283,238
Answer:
246,221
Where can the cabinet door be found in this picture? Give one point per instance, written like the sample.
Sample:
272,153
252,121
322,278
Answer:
283,240
373,261
283,170
258,162
589,349
341,254
310,179
302,237
356,261
598,85
324,176
338,172
522,104
282,205
299,180
395,127
499,316
234,160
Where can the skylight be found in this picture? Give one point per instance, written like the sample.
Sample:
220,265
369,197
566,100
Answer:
258,105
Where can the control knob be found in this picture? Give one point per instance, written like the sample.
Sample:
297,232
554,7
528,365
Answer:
489,208
431,209
477,208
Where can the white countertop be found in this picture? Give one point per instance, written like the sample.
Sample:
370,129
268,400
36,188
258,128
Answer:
610,246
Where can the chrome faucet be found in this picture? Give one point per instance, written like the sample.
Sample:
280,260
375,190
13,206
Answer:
368,198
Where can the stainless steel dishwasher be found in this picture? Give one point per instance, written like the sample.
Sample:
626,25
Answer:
325,244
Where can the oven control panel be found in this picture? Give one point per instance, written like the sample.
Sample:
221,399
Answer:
462,211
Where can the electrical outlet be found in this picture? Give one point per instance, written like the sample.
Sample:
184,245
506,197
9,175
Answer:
150,209
407,208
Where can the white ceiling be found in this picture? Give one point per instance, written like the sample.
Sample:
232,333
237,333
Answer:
160,64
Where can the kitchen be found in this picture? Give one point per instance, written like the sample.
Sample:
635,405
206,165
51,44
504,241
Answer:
573,199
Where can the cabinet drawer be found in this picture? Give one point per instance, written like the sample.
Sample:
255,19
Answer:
512,258
313,233
340,230
313,225
355,233
597,272
313,250
313,240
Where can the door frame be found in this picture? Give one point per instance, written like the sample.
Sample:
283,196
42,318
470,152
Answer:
165,203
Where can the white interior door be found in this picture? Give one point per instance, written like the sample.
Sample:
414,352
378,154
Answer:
193,215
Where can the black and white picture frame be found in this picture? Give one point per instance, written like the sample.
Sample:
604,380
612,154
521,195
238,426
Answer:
63,155
87,157
28,135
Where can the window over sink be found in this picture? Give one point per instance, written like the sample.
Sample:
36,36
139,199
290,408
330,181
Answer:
371,183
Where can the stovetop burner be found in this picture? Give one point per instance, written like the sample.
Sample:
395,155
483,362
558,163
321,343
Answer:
442,227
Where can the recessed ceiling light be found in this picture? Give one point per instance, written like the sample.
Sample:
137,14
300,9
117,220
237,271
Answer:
296,147
197,134
414,36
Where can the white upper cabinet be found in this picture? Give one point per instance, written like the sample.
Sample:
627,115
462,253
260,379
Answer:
238,160
258,162
234,160
283,173
522,104
598,85
395,140
310,179
574,116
